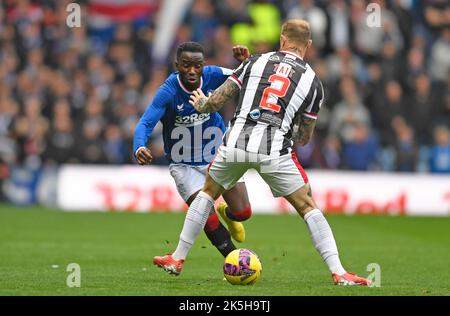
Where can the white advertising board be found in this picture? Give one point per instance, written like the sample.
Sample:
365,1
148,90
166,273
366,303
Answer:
150,188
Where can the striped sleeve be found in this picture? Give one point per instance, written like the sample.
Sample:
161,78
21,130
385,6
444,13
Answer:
238,75
315,104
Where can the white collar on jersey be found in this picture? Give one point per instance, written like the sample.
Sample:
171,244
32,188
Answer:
290,53
186,89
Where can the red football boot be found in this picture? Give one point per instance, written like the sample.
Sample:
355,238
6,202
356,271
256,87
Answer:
349,278
169,264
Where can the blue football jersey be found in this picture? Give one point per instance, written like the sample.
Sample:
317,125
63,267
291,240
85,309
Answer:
190,137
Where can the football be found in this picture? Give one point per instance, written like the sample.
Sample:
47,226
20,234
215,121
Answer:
242,267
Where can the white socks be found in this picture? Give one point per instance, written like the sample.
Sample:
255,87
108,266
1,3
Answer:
194,222
320,232
323,240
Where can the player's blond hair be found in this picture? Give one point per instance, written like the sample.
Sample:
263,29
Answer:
296,31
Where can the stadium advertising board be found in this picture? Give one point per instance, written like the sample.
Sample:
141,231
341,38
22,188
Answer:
143,189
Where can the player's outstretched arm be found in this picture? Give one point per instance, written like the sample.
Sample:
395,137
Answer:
305,130
215,101
152,115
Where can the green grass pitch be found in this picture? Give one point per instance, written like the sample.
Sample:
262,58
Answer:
114,251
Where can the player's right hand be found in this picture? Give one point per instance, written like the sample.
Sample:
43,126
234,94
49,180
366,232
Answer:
144,156
241,52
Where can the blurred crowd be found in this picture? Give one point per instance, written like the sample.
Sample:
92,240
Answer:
74,95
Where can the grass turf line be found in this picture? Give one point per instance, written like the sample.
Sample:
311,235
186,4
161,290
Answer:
115,250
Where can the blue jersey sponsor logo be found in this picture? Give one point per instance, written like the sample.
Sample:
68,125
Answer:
192,119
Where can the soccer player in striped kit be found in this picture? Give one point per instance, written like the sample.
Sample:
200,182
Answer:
279,99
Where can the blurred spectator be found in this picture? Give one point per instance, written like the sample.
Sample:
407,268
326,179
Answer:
89,144
74,95
157,78
369,39
29,130
60,141
203,22
391,65
233,11
440,152
406,149
343,63
93,113
405,18
8,110
421,109
444,111
4,175
114,147
388,107
373,89
360,152
348,114
331,153
439,57
436,14
339,24
416,64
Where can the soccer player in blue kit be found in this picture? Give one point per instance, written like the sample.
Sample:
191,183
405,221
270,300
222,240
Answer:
191,140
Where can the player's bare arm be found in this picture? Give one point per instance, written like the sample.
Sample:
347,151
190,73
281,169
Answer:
305,130
215,101
144,156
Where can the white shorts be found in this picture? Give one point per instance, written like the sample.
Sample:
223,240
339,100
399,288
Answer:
283,174
189,179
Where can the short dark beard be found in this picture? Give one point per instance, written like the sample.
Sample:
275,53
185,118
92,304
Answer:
190,86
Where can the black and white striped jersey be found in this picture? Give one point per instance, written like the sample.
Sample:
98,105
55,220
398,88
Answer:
276,88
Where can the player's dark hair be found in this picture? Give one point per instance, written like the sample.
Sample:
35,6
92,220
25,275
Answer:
192,47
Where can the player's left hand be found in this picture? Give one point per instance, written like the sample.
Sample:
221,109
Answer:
241,52
198,100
